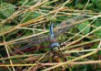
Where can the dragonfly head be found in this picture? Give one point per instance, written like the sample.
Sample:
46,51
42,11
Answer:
55,45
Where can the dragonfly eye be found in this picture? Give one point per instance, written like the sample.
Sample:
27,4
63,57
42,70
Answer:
55,45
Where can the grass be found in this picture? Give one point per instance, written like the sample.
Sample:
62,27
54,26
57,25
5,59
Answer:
24,26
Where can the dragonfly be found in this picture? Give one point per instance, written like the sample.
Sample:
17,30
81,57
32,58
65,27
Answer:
54,44
58,30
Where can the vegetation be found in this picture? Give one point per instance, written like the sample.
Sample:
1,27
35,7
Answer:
25,43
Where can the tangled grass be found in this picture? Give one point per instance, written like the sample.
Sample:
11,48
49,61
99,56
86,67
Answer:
24,26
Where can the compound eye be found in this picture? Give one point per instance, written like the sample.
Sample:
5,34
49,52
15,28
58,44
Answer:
55,45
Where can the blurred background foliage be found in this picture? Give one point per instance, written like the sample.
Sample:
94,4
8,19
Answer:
22,19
